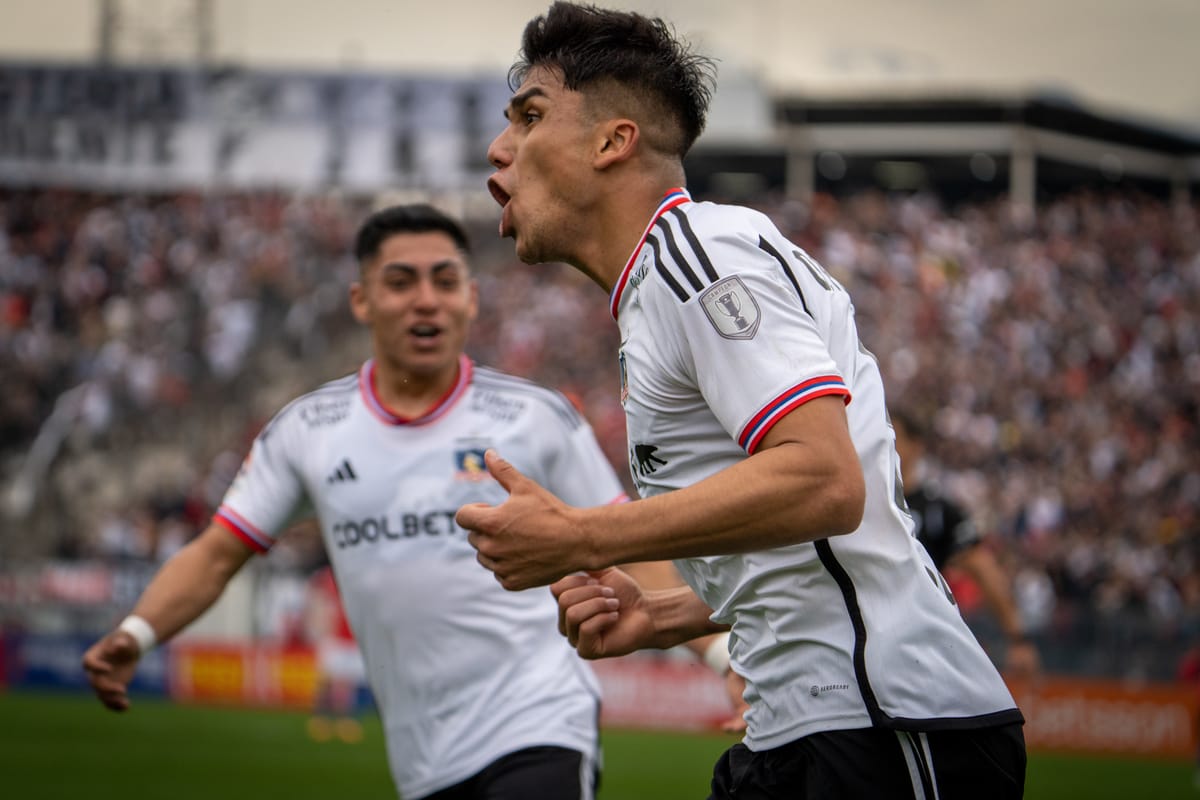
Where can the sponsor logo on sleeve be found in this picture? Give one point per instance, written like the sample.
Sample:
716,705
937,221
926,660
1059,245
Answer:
497,406
320,412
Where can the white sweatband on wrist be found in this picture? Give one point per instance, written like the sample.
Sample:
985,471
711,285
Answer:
141,632
716,655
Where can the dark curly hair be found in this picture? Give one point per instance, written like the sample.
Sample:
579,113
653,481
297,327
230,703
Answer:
592,46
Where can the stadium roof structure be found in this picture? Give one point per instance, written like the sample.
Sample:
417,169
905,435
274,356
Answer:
1026,146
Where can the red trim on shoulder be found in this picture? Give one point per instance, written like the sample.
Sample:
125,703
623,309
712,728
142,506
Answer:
788,408
228,524
673,197
758,425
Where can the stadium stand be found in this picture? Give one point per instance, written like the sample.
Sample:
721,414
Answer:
1026,271
1057,357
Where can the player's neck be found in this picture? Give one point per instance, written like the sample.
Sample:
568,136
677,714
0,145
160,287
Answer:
409,394
618,227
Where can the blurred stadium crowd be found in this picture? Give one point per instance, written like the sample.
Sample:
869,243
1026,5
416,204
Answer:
1056,358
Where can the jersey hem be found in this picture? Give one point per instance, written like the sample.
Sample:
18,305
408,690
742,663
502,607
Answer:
994,719
913,724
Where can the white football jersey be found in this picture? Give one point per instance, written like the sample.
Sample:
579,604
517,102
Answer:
726,326
463,671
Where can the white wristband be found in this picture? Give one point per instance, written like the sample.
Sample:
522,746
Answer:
141,632
716,655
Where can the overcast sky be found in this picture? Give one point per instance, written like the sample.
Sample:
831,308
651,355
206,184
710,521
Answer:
1138,57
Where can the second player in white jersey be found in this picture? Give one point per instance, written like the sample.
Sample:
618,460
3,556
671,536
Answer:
477,692
463,671
725,327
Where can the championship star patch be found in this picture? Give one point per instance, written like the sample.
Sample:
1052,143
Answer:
731,308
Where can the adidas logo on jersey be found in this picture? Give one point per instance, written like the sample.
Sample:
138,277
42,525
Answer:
344,472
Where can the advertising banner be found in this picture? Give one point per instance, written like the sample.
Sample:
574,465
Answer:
1108,717
52,661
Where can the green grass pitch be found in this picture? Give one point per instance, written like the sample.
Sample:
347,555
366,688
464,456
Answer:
59,746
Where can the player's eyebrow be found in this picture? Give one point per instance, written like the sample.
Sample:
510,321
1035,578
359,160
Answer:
436,268
519,100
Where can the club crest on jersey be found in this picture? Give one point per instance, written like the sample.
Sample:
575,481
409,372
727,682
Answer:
731,308
469,464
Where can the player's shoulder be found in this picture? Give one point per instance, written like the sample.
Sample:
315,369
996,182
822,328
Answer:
510,397
712,222
325,406
708,222
695,245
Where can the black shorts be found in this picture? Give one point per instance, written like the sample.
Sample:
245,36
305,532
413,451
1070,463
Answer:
552,773
879,764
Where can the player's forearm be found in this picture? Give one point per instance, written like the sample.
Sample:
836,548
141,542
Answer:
981,565
775,498
679,616
190,582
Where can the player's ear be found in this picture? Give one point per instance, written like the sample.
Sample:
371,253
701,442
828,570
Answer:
358,303
617,142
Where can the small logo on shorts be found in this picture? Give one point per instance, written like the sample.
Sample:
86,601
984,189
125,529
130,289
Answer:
815,690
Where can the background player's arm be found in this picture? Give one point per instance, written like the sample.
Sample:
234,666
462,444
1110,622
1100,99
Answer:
186,586
607,613
663,575
711,648
804,483
980,563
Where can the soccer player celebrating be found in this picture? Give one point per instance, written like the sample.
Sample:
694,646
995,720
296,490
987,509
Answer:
758,439
478,694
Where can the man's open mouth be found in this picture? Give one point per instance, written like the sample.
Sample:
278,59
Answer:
502,197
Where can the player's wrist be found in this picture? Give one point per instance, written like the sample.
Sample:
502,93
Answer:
142,633
675,616
586,540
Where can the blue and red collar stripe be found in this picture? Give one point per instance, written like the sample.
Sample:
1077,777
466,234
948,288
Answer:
762,422
370,395
674,197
